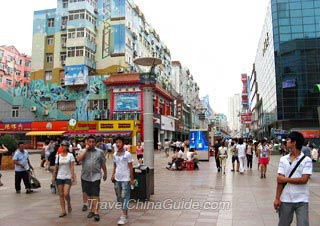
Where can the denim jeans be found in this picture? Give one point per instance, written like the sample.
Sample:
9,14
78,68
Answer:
286,213
249,161
122,189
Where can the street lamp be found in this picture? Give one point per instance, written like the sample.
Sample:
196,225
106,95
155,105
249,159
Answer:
148,80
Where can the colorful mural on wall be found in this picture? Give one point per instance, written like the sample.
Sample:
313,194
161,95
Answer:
48,95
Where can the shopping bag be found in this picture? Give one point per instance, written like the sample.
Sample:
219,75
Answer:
35,183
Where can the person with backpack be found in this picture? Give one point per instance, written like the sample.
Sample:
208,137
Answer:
234,154
292,194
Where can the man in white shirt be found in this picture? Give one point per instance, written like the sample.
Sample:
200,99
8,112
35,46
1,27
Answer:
292,192
123,178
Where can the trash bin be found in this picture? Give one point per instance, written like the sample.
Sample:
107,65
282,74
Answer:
142,189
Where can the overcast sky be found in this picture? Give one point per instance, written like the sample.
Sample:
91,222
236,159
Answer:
215,39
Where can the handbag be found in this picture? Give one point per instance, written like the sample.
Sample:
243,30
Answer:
294,169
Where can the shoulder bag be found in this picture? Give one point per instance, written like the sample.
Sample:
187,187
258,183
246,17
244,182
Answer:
294,169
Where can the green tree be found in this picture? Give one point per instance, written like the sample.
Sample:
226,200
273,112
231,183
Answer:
10,142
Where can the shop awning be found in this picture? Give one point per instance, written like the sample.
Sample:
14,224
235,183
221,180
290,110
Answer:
45,133
98,133
13,132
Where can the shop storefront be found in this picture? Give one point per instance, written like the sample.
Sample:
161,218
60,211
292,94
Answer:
130,130
18,130
168,126
42,131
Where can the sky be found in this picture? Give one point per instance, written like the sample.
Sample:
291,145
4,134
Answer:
216,39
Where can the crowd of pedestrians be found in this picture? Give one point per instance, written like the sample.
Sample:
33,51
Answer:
294,169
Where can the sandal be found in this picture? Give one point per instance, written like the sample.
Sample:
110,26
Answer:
96,217
63,215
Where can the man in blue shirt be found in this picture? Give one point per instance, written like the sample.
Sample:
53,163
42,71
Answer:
22,165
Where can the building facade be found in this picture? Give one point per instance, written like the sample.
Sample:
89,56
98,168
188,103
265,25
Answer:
15,70
286,68
233,112
79,44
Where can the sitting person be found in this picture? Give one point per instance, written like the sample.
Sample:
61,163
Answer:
176,161
191,156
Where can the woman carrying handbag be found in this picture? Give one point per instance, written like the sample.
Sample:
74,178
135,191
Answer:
63,175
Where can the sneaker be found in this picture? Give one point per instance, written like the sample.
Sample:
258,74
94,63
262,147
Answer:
123,220
84,208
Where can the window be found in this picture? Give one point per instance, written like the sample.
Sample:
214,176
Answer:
50,40
71,33
9,82
49,57
27,63
98,104
81,15
65,4
48,76
18,73
66,105
15,112
27,74
80,33
51,22
63,56
79,51
0,78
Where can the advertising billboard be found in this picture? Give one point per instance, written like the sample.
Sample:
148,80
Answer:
127,102
76,75
167,123
199,141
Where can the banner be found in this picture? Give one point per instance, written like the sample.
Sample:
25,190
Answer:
76,75
127,102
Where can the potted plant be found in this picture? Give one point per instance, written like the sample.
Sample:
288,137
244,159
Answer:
11,143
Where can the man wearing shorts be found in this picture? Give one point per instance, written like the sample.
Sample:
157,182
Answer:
93,160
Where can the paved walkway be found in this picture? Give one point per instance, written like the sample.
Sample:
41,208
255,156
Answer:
233,199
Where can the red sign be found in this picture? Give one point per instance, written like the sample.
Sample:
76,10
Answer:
244,78
310,133
21,126
49,126
246,118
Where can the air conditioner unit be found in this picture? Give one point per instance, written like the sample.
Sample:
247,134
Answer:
63,63
120,70
96,10
33,108
154,97
64,45
46,112
63,27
